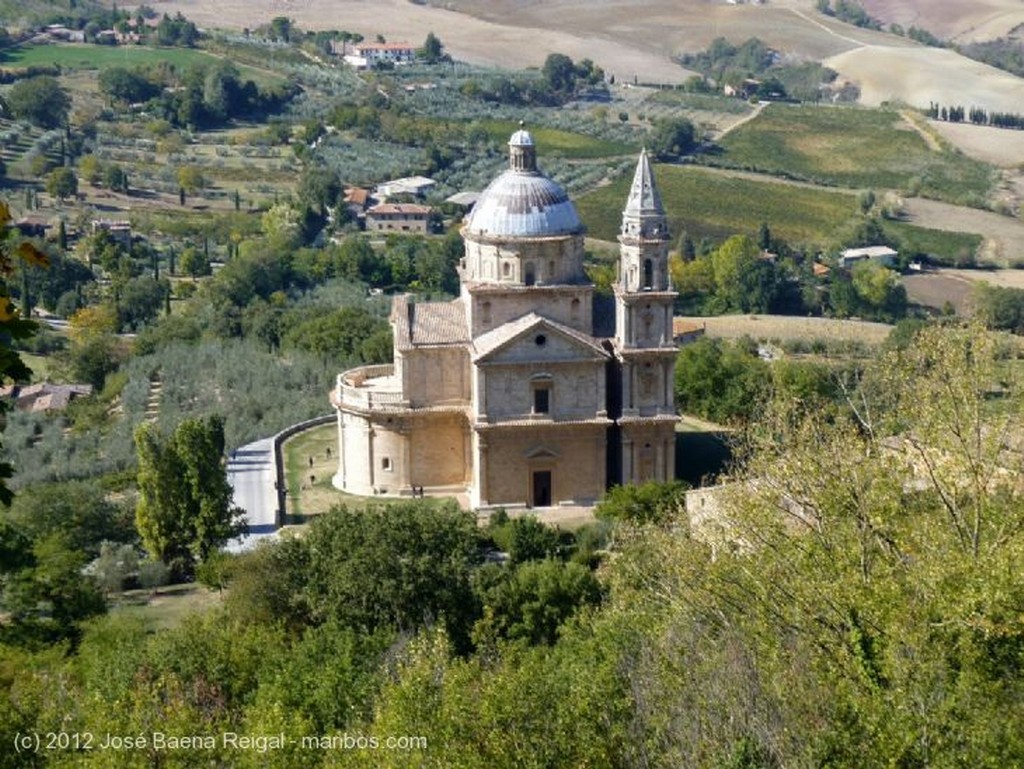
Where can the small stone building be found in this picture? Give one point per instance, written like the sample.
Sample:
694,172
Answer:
398,217
524,391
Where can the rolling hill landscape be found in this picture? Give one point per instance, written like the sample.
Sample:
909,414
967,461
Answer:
630,38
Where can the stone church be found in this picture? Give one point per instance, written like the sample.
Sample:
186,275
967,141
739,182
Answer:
528,390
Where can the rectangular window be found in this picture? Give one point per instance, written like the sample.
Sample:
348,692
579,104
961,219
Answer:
541,400
385,463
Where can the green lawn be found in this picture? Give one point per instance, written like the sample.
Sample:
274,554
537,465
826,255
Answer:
319,444
553,141
853,147
715,205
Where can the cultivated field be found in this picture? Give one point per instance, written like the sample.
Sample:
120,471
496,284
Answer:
940,289
83,56
785,328
936,287
706,203
1003,278
949,248
564,143
1004,235
852,147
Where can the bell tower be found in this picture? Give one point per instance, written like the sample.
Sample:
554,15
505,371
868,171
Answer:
644,344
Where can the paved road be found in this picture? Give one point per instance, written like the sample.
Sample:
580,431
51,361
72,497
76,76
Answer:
251,474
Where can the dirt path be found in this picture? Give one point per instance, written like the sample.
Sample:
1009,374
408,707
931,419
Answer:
929,138
758,109
821,25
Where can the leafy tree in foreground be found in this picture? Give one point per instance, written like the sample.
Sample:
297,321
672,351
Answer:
531,602
397,567
184,509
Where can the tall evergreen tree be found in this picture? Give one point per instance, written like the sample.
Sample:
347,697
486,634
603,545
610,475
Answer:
184,510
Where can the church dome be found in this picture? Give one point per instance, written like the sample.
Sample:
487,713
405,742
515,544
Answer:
522,202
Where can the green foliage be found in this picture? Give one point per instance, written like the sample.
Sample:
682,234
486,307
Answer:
127,86
191,179
140,301
525,539
398,567
350,333
432,51
62,183
330,677
648,503
47,536
319,188
78,511
176,31
184,510
1005,52
951,249
568,144
721,381
671,137
134,58
1000,308
559,73
267,585
115,178
40,100
48,285
872,291
530,603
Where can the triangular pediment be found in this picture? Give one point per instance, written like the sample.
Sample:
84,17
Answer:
541,452
535,338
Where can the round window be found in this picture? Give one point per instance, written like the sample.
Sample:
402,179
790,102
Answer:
541,340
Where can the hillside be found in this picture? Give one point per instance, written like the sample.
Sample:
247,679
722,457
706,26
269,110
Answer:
631,40
961,22
927,75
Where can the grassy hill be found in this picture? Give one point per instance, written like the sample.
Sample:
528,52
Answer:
855,148
714,205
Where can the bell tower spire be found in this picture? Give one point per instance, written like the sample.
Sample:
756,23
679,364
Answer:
644,234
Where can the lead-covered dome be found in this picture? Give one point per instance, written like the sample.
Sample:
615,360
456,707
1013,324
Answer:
522,202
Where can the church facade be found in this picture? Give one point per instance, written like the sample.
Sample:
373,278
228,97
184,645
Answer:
526,390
